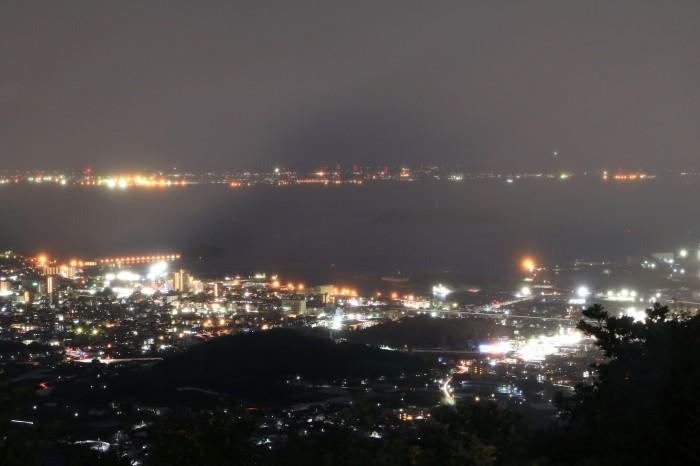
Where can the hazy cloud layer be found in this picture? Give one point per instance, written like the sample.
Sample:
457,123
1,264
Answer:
224,84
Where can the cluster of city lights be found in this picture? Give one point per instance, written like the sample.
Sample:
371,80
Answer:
290,286
441,291
139,259
534,349
628,176
46,179
621,295
141,181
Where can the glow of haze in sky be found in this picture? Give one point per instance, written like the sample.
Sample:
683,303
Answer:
237,84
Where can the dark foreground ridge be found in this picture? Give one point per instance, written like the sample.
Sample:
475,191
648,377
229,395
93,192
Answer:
642,409
259,366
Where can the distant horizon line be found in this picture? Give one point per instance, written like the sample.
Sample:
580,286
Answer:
336,167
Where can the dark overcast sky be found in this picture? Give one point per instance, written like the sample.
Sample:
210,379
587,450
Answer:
232,84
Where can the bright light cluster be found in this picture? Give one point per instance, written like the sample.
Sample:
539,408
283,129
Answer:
621,295
636,314
441,291
535,349
139,259
502,347
528,264
137,180
582,291
157,270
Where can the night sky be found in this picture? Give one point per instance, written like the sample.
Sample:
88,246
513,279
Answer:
232,84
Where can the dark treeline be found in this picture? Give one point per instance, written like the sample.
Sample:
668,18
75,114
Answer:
425,331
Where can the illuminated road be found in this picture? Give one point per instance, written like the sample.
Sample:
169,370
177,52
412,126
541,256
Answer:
439,350
446,391
512,301
112,361
510,316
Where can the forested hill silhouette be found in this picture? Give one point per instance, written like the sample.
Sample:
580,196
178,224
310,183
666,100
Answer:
426,331
257,366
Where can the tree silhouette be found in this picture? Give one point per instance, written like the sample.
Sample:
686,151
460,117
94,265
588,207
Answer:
643,407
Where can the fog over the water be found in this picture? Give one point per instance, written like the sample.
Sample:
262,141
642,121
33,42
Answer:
483,228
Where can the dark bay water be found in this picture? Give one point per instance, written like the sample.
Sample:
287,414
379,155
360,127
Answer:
483,228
